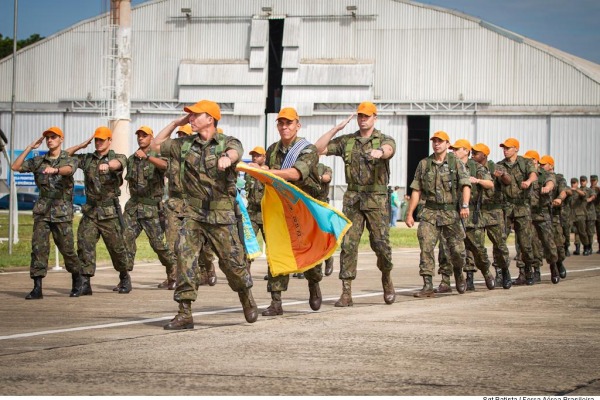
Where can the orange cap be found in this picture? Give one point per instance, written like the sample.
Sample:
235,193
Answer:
510,142
460,143
367,108
482,148
532,154
546,159
187,129
55,130
288,113
102,132
258,150
146,129
205,106
440,135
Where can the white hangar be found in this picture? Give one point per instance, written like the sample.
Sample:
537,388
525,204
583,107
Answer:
425,67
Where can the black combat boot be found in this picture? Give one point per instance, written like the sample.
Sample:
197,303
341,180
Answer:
36,293
329,266
315,298
460,282
490,281
76,285
125,283
577,248
587,250
537,275
520,279
470,283
86,286
567,252
444,286
555,276
506,281
562,271
528,275
498,277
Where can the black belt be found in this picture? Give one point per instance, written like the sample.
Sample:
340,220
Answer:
440,206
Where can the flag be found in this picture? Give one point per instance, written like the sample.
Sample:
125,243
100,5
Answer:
300,231
250,242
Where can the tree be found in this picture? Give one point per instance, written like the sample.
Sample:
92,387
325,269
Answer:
6,44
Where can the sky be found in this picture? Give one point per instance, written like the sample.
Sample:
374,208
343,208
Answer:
569,25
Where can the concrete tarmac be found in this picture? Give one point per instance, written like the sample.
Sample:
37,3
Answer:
537,340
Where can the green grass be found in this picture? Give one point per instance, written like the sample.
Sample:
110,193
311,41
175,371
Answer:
400,237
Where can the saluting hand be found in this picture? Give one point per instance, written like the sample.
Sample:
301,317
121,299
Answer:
37,143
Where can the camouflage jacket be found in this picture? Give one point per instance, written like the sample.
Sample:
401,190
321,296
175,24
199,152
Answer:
441,186
146,185
254,193
541,203
517,199
480,172
367,178
101,189
324,170
209,193
306,164
590,207
56,191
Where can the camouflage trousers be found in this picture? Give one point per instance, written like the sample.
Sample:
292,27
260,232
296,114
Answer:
204,263
523,237
497,235
195,237
476,254
545,233
134,227
559,238
590,225
376,222
567,225
581,232
88,234
280,283
536,246
452,237
62,233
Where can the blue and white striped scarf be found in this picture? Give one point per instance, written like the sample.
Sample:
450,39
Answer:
293,153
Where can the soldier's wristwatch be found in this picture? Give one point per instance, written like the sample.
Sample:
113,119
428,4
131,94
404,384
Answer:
464,205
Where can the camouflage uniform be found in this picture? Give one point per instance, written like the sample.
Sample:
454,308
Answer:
366,200
475,234
208,216
517,211
174,205
566,221
559,237
541,218
52,213
492,216
597,208
590,220
306,164
579,210
100,214
146,186
324,197
440,185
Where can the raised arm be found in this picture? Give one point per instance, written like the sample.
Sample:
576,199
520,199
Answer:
324,140
73,149
165,133
16,165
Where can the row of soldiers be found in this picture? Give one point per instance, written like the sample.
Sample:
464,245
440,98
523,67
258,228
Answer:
466,198
202,216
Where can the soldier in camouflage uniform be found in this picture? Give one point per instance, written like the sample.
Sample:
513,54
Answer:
443,181
173,207
53,212
566,219
596,189
254,193
366,154
541,208
579,210
103,174
295,160
558,195
590,220
481,181
208,178
146,180
516,176
325,175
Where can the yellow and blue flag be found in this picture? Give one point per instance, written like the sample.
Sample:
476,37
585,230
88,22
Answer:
300,231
